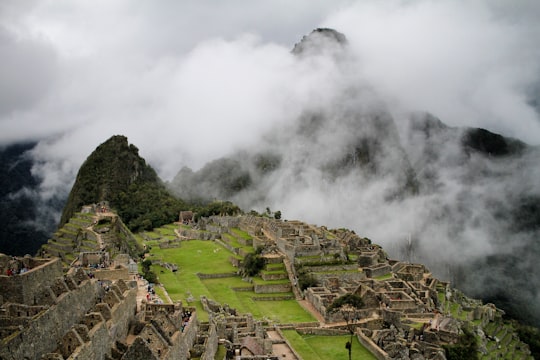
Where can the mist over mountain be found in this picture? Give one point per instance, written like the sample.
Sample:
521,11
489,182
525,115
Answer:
339,134
462,200
26,220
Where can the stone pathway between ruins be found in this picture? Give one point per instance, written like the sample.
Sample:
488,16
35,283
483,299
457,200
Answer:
281,349
308,307
95,221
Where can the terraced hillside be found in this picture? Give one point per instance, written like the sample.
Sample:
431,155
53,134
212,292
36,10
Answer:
75,236
404,309
87,232
425,305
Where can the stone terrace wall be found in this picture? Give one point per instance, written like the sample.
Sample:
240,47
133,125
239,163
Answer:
379,353
211,344
288,249
197,234
98,348
115,274
52,324
122,313
272,288
185,340
307,250
345,276
226,221
321,331
23,288
104,334
377,270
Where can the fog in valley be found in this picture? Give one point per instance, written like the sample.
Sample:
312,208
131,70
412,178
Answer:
370,132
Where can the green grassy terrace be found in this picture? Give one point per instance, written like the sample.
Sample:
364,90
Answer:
209,257
326,347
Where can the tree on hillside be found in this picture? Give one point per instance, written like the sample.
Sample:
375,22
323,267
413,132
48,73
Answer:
306,279
148,274
348,306
253,264
216,208
465,349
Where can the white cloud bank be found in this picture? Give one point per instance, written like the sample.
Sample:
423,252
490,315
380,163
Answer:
191,81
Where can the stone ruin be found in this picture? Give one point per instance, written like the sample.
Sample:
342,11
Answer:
85,318
244,337
185,217
88,317
402,317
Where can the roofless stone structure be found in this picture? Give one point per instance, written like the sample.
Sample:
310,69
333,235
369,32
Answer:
95,309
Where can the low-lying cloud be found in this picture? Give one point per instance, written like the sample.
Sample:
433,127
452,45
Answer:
194,81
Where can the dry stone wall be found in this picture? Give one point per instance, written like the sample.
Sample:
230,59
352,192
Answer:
55,322
25,288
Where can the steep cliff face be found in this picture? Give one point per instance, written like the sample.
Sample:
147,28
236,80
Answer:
116,173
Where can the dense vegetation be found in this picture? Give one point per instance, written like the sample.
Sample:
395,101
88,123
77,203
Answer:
116,173
215,208
347,300
531,336
492,144
253,263
465,349
148,274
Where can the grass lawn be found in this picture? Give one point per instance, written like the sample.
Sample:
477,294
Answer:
384,277
326,347
153,235
275,267
236,244
199,256
242,234
195,256
161,294
284,311
166,231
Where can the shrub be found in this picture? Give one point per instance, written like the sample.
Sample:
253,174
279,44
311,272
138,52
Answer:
465,349
252,264
306,280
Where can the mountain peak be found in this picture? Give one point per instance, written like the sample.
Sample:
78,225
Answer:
112,170
320,41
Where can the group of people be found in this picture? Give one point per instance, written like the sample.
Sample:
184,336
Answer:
186,315
11,272
151,293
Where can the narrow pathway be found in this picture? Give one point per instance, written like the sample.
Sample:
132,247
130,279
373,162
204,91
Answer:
298,295
142,290
292,278
280,347
309,307
95,221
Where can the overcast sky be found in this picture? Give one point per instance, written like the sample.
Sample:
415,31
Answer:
194,80
189,81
